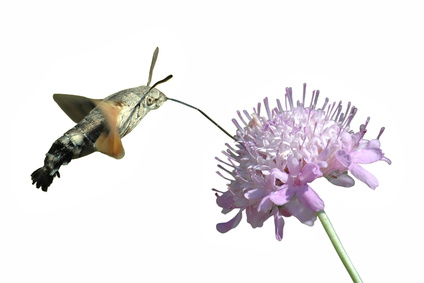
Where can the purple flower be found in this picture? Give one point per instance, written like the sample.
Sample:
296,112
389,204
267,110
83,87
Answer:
277,155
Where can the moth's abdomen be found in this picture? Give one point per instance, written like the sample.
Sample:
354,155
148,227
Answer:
73,144
60,153
43,178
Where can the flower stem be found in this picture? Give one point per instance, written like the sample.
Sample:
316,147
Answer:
338,246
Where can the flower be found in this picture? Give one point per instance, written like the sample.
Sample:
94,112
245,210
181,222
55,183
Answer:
279,154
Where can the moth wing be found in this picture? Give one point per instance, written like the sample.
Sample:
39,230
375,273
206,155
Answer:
75,106
109,141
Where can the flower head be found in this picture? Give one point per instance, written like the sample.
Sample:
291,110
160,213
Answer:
279,154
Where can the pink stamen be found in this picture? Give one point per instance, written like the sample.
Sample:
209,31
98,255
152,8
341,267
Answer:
222,168
247,115
215,190
337,110
312,99
219,173
316,99
279,106
237,125
325,103
268,112
381,132
329,110
228,164
241,118
290,97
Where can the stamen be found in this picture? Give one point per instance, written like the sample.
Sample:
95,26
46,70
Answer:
229,146
247,115
279,106
363,127
304,93
363,131
215,190
285,100
237,125
325,103
347,110
329,110
268,112
228,164
230,154
231,191
337,110
381,132
290,97
238,173
316,99
298,104
227,155
232,163
228,179
309,115
368,120
257,110
241,118
350,118
312,99
222,168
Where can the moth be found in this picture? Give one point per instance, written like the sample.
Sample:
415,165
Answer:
101,124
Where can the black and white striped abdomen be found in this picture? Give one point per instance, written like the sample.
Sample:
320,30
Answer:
77,142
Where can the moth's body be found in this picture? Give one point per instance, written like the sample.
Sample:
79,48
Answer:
100,126
81,139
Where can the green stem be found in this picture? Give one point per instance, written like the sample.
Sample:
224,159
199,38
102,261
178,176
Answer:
338,246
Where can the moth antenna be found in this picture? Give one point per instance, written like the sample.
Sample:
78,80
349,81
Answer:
204,114
139,102
160,82
152,66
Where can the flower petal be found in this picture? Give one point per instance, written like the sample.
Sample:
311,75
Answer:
255,217
309,173
279,225
293,165
280,175
340,179
363,175
304,215
226,201
373,144
347,140
265,205
255,194
387,160
227,226
343,158
366,155
309,198
282,195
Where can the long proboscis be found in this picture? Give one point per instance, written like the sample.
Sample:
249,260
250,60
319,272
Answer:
191,106
204,114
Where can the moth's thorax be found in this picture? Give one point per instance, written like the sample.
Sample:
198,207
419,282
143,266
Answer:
135,103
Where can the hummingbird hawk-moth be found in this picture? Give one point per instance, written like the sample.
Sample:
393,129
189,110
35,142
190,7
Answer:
101,123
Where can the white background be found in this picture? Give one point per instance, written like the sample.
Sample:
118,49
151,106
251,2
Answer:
151,216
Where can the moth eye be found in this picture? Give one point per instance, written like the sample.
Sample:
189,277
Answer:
150,101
